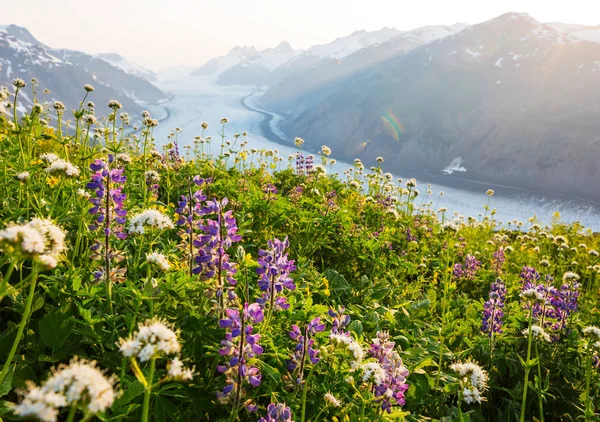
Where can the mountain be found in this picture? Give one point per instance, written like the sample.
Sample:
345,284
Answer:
128,66
515,99
65,72
246,65
583,32
322,66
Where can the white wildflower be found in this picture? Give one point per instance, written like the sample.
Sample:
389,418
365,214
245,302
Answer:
176,371
538,333
532,294
23,176
331,400
149,218
49,157
373,372
153,337
62,166
570,276
473,381
592,331
158,260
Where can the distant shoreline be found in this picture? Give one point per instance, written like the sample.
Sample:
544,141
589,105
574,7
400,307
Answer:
424,177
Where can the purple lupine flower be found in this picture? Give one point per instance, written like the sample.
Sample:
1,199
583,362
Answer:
468,269
188,212
270,190
498,259
340,321
240,345
109,211
152,179
493,309
212,258
529,276
304,347
390,391
277,413
562,303
274,269
300,164
409,236
309,164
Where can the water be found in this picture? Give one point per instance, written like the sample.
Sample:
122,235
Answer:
200,100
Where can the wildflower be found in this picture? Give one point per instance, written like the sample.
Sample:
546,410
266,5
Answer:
153,338
304,347
151,218
59,106
90,119
379,159
123,158
39,239
532,295
570,276
158,260
224,121
493,309
115,105
19,83
331,400
37,108
277,413
88,88
592,331
176,371
489,192
274,270
326,150
49,157
204,125
23,176
79,384
538,333
373,373
62,166
241,346
83,193
473,381
468,270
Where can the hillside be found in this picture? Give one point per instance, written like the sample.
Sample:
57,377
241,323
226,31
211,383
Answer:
64,72
514,98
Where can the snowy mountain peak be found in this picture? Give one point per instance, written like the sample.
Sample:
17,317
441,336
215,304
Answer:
582,32
344,46
284,47
128,66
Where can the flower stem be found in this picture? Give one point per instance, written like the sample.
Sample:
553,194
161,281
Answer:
527,368
22,325
588,370
539,383
148,391
71,415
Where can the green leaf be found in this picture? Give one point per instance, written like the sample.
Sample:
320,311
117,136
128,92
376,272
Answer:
132,391
356,326
6,385
55,328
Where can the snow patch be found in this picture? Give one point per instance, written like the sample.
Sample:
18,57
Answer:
455,166
499,62
472,53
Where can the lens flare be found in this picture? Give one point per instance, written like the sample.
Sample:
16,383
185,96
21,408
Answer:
393,125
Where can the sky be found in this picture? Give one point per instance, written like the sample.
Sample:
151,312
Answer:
165,33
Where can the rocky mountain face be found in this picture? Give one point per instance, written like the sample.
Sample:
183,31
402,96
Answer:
128,66
516,99
64,72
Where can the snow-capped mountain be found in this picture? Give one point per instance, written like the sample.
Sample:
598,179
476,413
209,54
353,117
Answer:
128,66
516,99
583,32
320,67
65,72
246,65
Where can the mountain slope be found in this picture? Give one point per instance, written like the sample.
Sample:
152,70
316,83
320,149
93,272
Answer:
64,72
128,66
583,32
516,99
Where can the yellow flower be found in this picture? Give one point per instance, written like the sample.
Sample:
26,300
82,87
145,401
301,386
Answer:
326,284
52,181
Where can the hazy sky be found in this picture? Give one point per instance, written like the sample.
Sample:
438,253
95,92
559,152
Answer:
165,33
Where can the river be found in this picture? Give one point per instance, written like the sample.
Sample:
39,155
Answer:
198,100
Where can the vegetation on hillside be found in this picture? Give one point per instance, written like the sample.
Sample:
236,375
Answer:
140,284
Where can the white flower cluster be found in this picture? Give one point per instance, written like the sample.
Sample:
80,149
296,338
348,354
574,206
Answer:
80,383
40,239
352,346
176,371
331,400
49,157
62,166
538,333
23,176
570,276
473,381
373,372
151,218
159,260
533,295
152,176
123,158
592,331
152,338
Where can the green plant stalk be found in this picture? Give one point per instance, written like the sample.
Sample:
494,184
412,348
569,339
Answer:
72,412
539,383
24,319
6,279
588,372
527,368
304,393
460,413
148,390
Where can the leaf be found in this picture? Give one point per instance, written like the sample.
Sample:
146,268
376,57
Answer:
132,391
6,385
356,326
55,328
